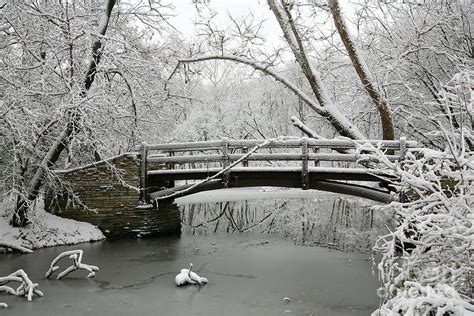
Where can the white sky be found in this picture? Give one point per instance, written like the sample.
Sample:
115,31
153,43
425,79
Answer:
186,12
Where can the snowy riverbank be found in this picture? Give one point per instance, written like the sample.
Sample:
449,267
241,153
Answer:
46,230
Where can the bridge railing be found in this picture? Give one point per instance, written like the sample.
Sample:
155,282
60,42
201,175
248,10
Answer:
224,152
232,150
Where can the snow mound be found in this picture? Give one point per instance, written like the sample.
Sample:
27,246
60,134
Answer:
186,276
46,230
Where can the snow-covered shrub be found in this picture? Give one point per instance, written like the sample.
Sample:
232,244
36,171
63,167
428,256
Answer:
427,262
415,299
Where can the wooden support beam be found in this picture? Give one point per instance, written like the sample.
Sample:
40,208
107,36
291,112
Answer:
245,150
304,164
403,148
225,160
143,172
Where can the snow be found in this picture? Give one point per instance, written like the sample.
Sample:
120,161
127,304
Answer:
27,287
416,299
186,276
46,230
76,257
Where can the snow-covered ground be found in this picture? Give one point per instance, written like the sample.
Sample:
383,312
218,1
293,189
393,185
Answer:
46,230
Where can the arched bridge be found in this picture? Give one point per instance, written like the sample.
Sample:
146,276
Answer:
328,165
115,193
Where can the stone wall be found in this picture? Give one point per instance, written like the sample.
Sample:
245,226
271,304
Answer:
107,196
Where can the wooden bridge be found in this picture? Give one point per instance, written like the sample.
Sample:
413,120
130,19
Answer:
283,162
116,193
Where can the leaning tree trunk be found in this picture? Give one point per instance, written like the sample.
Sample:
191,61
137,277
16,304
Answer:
331,113
20,217
362,71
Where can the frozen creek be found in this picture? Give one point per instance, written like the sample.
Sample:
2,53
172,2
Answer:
249,274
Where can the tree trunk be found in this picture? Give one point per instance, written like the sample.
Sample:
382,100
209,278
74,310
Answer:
24,202
282,13
362,71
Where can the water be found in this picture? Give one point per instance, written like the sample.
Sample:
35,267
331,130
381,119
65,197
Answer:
306,217
249,274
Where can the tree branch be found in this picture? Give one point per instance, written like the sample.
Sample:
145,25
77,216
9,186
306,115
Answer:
331,113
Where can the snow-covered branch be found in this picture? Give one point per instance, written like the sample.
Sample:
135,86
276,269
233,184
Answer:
328,111
304,128
427,261
27,287
263,68
76,257
281,9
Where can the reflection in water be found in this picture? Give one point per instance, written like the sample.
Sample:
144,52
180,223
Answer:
342,223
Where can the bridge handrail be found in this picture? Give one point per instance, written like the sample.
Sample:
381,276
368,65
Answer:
265,157
313,143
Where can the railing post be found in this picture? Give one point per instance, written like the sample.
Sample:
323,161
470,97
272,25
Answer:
403,148
304,164
316,160
225,159
143,172
245,150
170,166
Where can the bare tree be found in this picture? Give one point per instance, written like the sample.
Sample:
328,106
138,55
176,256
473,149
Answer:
362,71
319,101
72,119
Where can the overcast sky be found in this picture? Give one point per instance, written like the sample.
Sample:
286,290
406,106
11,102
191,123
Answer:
185,15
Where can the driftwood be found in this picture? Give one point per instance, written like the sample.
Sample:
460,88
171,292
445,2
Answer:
27,287
76,257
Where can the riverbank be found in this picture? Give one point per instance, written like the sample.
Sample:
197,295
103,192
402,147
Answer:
46,230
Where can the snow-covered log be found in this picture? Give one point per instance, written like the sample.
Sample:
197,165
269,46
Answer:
26,288
76,257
